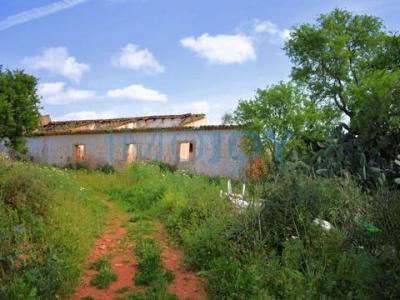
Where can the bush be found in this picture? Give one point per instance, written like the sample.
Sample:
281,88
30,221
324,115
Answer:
306,261
205,242
295,200
229,278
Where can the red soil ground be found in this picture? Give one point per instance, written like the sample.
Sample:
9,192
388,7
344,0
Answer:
186,284
122,261
114,243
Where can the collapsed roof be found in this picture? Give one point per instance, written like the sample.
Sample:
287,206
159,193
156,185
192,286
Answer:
162,121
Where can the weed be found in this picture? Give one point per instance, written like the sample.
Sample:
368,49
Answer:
153,293
99,264
146,246
149,269
105,274
139,216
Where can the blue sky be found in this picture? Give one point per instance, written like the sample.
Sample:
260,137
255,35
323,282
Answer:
119,58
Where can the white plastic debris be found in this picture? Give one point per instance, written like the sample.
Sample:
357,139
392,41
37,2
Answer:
236,199
240,203
323,223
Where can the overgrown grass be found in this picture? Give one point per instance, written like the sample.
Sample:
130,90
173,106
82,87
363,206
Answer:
105,276
150,267
275,250
48,221
153,293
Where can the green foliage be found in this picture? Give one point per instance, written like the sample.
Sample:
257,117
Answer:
153,293
105,276
229,278
277,250
146,246
77,166
150,267
304,260
105,168
349,63
47,225
140,197
283,109
205,242
19,108
101,263
164,167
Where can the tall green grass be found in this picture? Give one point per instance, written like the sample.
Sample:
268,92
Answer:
48,221
275,250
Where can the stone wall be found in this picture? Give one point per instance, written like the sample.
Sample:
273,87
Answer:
214,151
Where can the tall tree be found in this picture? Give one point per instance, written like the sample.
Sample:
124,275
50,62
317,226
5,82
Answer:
19,108
348,62
284,118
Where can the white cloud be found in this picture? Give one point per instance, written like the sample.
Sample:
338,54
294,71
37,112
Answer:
137,92
57,93
133,57
271,29
39,12
222,49
57,61
87,115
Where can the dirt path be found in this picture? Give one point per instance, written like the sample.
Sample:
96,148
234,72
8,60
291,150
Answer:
186,284
116,243
112,243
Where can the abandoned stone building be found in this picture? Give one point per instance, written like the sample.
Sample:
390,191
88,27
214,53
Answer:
182,140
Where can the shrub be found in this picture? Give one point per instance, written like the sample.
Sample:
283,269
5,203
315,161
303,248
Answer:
231,279
205,242
295,200
305,261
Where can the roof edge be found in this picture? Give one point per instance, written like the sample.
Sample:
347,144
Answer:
160,129
186,115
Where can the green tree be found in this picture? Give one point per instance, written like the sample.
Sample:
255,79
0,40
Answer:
19,108
282,112
348,62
